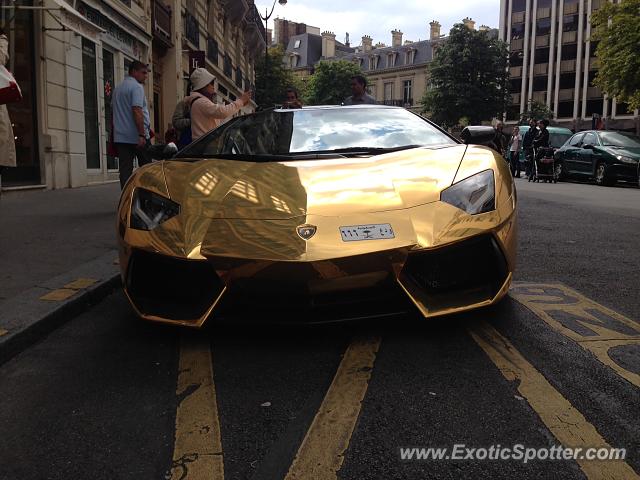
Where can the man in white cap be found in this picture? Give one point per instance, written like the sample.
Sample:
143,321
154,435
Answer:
206,114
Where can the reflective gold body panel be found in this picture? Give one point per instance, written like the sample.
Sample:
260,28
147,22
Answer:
242,218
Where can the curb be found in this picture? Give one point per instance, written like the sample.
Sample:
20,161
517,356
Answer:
27,318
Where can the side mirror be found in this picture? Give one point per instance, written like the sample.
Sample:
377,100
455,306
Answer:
478,135
161,151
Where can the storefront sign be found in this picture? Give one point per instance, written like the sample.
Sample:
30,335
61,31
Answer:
196,60
114,35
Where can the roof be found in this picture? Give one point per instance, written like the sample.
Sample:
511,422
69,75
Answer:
309,52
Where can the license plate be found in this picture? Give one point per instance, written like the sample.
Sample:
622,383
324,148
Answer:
357,233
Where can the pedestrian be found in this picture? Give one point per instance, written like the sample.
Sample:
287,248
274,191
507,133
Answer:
292,100
514,152
359,93
542,137
7,142
500,139
206,114
131,120
181,122
527,145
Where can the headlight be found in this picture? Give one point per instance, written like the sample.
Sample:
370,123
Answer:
148,209
624,159
474,195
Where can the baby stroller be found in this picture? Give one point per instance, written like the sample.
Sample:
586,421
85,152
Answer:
544,166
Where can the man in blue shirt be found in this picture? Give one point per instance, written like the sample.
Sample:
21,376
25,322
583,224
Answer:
131,120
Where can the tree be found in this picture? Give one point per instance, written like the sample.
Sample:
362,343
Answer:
617,31
535,111
331,82
469,78
272,81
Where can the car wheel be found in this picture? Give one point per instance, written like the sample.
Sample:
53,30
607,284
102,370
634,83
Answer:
601,175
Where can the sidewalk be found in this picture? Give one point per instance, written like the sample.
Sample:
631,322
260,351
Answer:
56,244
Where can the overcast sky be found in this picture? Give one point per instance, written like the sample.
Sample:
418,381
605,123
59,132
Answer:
377,18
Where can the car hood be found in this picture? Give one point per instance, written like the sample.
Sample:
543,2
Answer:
625,151
229,189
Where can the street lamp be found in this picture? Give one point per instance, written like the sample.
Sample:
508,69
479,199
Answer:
266,18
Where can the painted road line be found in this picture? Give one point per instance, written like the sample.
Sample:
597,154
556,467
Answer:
59,295
595,328
564,421
81,283
197,453
321,453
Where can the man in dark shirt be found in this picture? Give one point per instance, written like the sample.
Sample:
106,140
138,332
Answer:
500,139
527,144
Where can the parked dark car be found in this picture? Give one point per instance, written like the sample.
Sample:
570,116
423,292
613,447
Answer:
604,156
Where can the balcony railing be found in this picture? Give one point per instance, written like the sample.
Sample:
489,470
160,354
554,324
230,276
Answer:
515,99
540,68
235,9
515,71
542,41
254,33
162,23
544,12
570,8
594,92
192,29
565,94
517,44
567,66
570,37
517,17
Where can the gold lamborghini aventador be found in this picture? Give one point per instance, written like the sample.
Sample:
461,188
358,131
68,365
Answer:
331,213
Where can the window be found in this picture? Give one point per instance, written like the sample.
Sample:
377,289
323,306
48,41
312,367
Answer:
410,57
515,59
569,52
212,51
567,80
407,94
576,141
542,55
516,86
238,77
570,23
540,84
228,68
519,5
544,3
192,30
543,27
565,109
296,44
388,92
517,31
590,139
594,106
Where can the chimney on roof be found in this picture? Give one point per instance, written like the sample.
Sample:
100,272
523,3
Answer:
366,43
470,24
380,45
434,32
347,43
484,28
396,38
328,44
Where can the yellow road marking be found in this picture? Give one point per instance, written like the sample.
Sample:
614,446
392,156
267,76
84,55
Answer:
59,295
594,327
3,332
565,422
322,451
197,453
81,283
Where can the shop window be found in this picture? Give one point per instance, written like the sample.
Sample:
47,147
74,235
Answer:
89,84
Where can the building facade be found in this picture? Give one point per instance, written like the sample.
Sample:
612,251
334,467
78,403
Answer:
552,61
397,74
284,29
68,57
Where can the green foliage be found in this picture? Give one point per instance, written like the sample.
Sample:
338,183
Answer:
469,78
535,111
617,29
331,82
272,82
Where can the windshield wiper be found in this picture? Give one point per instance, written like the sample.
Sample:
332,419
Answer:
365,150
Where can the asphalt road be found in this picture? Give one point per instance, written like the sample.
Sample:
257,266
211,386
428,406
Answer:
101,398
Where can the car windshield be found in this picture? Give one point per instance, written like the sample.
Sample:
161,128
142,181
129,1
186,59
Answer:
620,139
556,140
317,131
